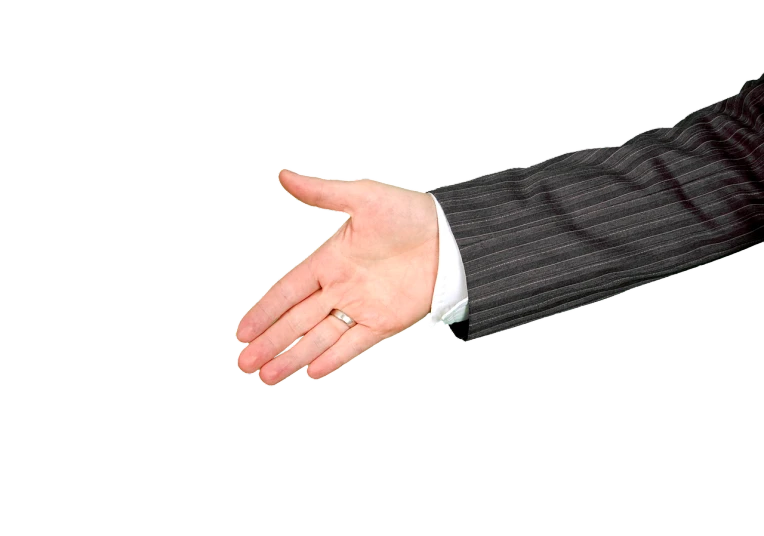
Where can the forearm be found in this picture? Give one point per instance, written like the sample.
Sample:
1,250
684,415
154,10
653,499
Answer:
587,225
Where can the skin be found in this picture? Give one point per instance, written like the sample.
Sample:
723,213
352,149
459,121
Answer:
379,268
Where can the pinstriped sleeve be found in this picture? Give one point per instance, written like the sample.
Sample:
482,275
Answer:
587,225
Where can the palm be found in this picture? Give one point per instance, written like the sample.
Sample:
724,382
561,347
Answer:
375,259
379,268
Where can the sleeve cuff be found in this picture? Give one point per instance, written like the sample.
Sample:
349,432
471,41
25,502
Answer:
449,300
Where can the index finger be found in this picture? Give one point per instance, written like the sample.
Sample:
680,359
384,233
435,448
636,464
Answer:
290,290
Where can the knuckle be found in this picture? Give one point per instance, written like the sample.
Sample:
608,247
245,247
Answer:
266,313
267,345
321,193
319,341
284,291
294,323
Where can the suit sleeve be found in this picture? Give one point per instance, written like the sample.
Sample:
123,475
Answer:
590,224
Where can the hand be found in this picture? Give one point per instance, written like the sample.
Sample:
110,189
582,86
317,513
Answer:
379,268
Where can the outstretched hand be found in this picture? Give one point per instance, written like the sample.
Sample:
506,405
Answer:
379,268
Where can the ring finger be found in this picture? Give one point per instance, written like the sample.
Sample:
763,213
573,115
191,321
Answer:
312,345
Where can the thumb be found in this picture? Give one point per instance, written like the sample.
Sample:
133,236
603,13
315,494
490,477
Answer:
329,194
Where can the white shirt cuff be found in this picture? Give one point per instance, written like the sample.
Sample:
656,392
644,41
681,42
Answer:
449,300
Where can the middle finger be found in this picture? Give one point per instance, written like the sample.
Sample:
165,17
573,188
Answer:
293,324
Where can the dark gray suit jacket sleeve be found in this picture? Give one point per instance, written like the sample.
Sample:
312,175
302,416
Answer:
590,224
